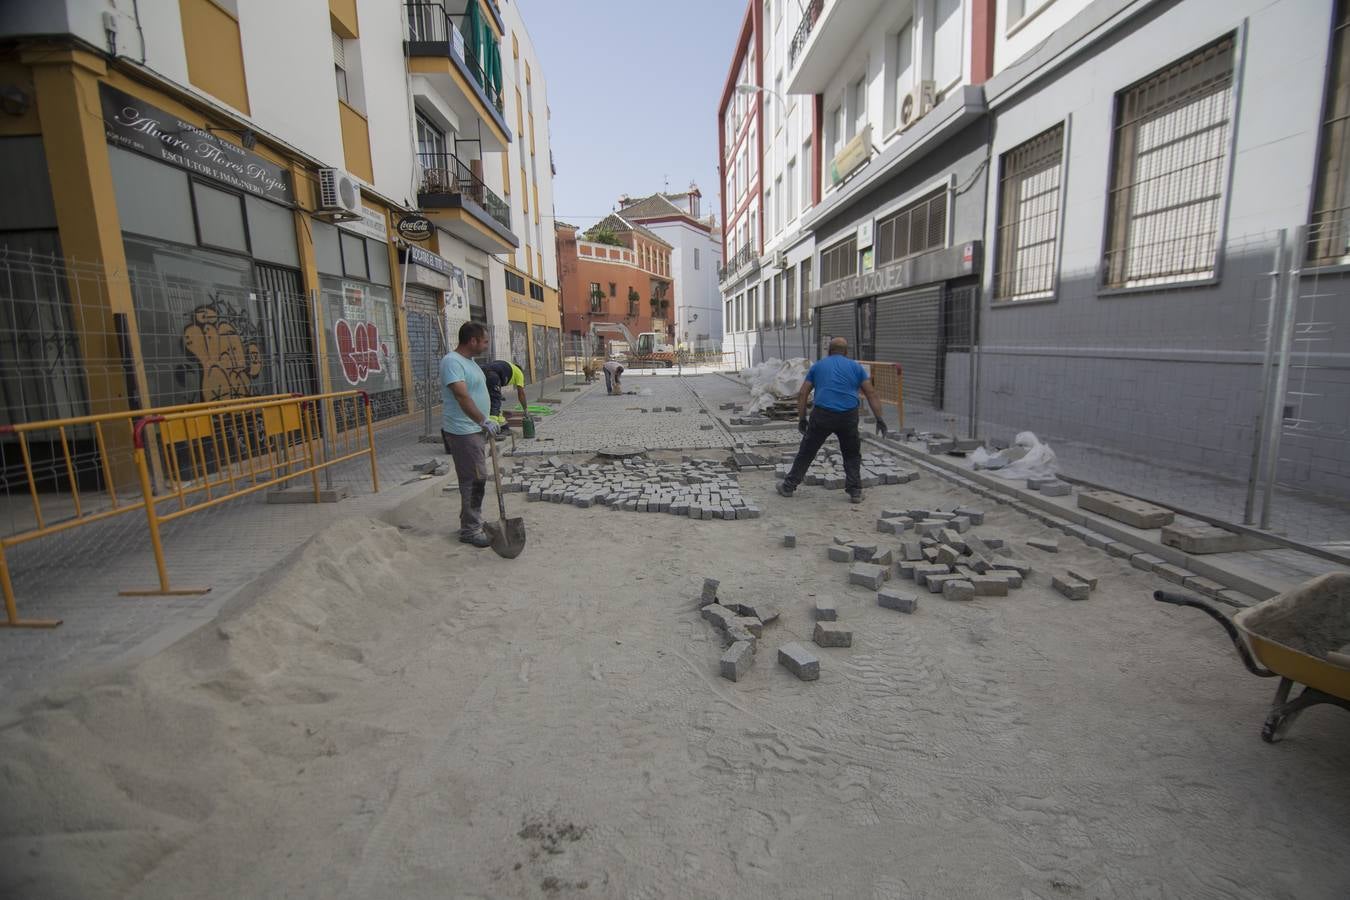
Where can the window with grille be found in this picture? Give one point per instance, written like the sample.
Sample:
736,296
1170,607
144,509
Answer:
1171,147
917,228
789,298
839,261
1329,233
597,297
1028,216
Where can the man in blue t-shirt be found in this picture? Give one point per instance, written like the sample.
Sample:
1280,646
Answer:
464,423
836,380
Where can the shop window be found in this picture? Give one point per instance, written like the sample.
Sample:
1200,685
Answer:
152,198
327,249
220,218
354,256
378,254
271,232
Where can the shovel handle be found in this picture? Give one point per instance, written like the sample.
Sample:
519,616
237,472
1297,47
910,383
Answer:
497,477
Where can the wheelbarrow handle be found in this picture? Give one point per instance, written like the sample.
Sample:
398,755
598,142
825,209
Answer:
1177,598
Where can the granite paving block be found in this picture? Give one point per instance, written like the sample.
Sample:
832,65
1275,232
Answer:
1089,580
901,601
989,585
832,634
799,661
867,575
958,589
737,659
789,540
839,554
1049,545
826,610
1146,561
710,586
1173,573
1070,587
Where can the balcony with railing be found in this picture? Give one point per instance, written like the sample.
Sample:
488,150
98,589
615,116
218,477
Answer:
743,258
437,31
448,183
826,41
809,17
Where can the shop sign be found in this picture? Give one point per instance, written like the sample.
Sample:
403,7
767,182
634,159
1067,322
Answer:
457,298
371,225
414,227
353,300
864,235
929,268
133,124
853,155
426,259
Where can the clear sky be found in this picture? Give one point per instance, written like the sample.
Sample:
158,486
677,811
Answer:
633,87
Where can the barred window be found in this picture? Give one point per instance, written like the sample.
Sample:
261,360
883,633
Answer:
1171,148
1028,216
839,261
1329,235
917,228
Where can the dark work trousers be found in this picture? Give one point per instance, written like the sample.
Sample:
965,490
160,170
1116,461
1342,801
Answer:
469,451
494,386
823,423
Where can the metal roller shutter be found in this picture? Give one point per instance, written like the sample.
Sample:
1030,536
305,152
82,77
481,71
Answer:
836,321
908,332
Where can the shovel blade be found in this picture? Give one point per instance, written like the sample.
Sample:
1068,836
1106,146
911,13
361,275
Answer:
508,537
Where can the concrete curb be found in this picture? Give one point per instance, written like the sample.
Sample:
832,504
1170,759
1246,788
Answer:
1258,586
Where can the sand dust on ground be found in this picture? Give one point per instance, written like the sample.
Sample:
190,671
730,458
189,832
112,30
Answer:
393,714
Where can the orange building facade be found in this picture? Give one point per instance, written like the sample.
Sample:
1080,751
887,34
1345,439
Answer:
628,282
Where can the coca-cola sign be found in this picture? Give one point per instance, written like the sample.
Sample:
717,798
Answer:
414,227
133,124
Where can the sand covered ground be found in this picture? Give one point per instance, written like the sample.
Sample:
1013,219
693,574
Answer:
392,714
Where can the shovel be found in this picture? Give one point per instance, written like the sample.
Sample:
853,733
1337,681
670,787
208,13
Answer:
508,535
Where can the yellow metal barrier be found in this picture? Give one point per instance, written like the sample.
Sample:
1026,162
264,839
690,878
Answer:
218,455
888,379
110,431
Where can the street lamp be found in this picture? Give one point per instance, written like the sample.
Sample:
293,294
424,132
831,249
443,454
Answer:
746,87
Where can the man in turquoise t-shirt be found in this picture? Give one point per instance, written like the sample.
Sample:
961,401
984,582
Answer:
464,422
836,379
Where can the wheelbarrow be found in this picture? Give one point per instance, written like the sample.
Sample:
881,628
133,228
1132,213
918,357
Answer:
1291,636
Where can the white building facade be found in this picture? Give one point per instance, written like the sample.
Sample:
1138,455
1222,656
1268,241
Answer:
695,260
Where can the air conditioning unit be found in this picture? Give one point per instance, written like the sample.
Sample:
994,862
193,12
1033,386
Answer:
916,104
780,260
339,196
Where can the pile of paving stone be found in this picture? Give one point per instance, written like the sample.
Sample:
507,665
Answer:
828,470
940,553
697,488
741,625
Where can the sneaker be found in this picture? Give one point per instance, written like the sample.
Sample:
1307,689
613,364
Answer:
783,489
855,497
478,540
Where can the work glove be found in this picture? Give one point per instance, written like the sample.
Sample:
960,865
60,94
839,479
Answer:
881,428
801,424
491,427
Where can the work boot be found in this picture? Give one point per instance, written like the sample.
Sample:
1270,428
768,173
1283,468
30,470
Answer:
479,540
855,497
783,489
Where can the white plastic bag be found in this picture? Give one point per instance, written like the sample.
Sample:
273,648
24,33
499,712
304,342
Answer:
1026,458
772,380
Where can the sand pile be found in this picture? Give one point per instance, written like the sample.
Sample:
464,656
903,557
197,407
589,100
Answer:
108,776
